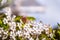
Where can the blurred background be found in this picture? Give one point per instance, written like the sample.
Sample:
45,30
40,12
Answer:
52,12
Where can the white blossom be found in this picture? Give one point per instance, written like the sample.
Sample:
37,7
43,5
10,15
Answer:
31,38
5,21
44,39
9,18
51,35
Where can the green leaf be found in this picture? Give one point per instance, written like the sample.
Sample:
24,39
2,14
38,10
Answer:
5,26
22,26
58,32
50,30
0,22
0,1
31,18
2,15
17,28
58,24
18,38
42,36
53,39
17,19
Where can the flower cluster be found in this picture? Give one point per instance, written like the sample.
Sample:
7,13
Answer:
26,30
22,28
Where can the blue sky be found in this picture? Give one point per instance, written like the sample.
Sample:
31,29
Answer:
51,14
